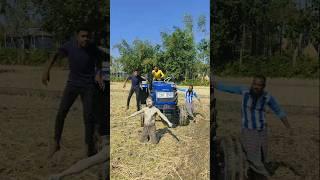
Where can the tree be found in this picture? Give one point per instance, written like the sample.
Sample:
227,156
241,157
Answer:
140,55
179,53
63,17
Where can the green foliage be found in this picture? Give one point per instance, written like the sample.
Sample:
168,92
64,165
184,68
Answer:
64,17
34,57
140,55
118,79
279,66
194,82
179,54
264,35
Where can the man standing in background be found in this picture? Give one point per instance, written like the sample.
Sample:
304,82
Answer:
83,58
189,94
254,126
136,80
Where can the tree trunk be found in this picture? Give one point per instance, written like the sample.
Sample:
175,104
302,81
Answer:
253,41
5,40
281,27
242,43
300,44
294,59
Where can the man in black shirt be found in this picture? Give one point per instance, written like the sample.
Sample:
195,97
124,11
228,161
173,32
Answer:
136,80
83,58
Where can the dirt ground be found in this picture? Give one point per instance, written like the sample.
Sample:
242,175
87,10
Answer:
170,159
298,155
27,115
28,110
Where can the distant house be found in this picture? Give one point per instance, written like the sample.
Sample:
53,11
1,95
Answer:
120,74
32,38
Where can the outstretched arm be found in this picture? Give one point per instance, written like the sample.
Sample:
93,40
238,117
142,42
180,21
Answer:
83,164
164,117
182,89
136,113
229,89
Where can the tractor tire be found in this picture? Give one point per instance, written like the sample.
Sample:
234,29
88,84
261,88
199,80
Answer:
232,165
183,117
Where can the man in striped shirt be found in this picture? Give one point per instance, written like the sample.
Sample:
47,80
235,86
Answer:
189,94
254,129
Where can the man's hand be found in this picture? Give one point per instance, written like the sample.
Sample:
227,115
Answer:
45,78
99,80
170,124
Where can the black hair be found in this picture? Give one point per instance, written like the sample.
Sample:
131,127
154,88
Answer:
261,77
83,28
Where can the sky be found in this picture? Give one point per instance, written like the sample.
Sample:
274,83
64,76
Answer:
146,19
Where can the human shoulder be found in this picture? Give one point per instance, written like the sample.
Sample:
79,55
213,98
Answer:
267,96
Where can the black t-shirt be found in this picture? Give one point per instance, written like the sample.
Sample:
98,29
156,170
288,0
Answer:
82,62
135,80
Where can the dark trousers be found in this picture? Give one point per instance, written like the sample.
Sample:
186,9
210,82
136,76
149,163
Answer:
69,96
137,91
101,108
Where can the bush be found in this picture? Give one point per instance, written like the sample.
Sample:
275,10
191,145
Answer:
34,57
276,66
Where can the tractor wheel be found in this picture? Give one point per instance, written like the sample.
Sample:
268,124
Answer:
232,165
183,117
171,117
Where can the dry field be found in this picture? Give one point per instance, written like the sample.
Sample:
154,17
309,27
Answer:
27,114
170,159
298,155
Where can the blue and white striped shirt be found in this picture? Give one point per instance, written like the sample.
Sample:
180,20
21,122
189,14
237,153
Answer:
253,110
188,95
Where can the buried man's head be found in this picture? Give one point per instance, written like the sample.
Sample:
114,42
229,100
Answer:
149,102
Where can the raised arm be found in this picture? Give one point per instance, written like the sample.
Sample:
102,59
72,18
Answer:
136,113
275,107
164,117
229,89
161,74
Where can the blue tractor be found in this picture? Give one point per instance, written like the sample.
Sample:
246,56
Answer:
165,97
